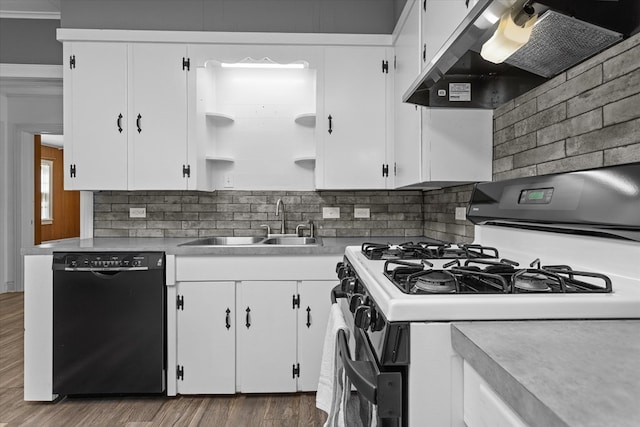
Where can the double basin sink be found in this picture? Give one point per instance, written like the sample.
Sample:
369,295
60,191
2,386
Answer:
255,241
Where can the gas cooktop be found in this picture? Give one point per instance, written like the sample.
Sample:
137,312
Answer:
427,249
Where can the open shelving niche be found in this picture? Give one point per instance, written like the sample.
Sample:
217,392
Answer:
259,126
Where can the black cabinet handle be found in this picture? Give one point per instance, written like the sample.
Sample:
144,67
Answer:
308,317
424,52
228,319
119,123
138,121
248,321
330,124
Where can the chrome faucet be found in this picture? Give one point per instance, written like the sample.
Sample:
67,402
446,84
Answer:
278,204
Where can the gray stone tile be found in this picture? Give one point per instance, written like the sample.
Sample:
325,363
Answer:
259,200
605,55
181,233
541,120
516,173
187,225
571,88
181,216
518,114
108,198
233,224
209,216
503,164
621,155
246,216
575,126
233,207
514,146
146,233
612,136
553,151
164,224
622,64
621,111
503,109
110,232
569,164
504,135
163,207
142,199
607,93
170,199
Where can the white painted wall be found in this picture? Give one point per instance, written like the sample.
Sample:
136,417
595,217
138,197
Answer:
23,115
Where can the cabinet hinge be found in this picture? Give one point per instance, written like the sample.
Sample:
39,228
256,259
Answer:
72,62
296,370
180,372
72,171
296,301
186,171
186,63
385,170
180,302
385,66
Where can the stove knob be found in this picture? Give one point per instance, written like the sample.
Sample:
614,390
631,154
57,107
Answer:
339,266
362,317
356,301
377,321
347,285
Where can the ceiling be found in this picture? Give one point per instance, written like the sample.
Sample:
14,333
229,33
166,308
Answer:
43,9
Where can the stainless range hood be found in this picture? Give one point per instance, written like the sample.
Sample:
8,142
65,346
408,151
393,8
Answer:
567,32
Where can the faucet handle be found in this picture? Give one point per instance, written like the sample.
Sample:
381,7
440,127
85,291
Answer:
267,227
311,229
300,227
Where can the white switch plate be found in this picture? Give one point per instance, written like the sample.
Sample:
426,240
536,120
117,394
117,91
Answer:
228,180
361,212
137,212
330,213
461,213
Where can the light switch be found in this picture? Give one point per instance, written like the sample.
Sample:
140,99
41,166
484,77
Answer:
137,212
361,212
227,180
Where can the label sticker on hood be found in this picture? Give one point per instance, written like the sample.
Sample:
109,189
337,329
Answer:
459,92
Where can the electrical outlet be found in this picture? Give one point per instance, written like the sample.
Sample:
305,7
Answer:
330,213
228,180
137,212
361,213
461,213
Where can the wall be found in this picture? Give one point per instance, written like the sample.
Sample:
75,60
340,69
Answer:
291,16
240,213
29,41
586,117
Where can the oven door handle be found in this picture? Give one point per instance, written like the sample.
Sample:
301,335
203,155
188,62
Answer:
336,293
361,374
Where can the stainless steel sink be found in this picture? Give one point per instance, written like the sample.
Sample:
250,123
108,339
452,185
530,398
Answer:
224,241
254,241
289,241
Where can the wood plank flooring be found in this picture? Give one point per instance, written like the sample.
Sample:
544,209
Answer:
261,410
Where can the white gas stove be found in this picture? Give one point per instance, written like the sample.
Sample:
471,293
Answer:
558,232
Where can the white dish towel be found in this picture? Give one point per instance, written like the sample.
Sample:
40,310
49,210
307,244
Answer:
333,386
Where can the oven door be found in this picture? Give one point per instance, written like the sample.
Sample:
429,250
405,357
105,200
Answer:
379,390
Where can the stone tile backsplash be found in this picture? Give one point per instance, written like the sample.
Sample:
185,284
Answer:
241,213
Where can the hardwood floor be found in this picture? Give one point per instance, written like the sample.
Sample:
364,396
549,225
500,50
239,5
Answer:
262,410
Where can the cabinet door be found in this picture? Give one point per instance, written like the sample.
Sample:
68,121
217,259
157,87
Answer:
440,18
406,141
96,126
313,315
206,337
457,144
266,337
355,98
158,117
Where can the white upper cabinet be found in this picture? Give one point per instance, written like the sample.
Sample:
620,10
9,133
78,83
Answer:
158,117
440,18
126,116
406,126
95,116
354,124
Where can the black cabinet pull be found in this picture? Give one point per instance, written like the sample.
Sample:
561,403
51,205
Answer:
308,317
228,319
119,123
424,52
138,120
330,124
248,321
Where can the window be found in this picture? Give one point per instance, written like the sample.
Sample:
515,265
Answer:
46,191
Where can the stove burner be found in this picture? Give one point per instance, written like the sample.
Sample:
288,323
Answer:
427,250
531,281
436,281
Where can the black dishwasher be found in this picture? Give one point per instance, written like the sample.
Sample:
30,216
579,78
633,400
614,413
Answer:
109,316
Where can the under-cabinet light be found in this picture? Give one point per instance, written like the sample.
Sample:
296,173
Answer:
510,36
262,63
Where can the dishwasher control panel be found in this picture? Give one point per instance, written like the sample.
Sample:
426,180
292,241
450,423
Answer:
107,261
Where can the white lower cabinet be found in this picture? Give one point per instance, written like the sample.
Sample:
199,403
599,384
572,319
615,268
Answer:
483,407
313,315
266,337
206,334
250,335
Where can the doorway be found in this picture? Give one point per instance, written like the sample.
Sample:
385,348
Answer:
56,210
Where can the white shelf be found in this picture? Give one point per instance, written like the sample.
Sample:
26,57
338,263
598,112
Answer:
305,160
221,159
220,117
306,119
